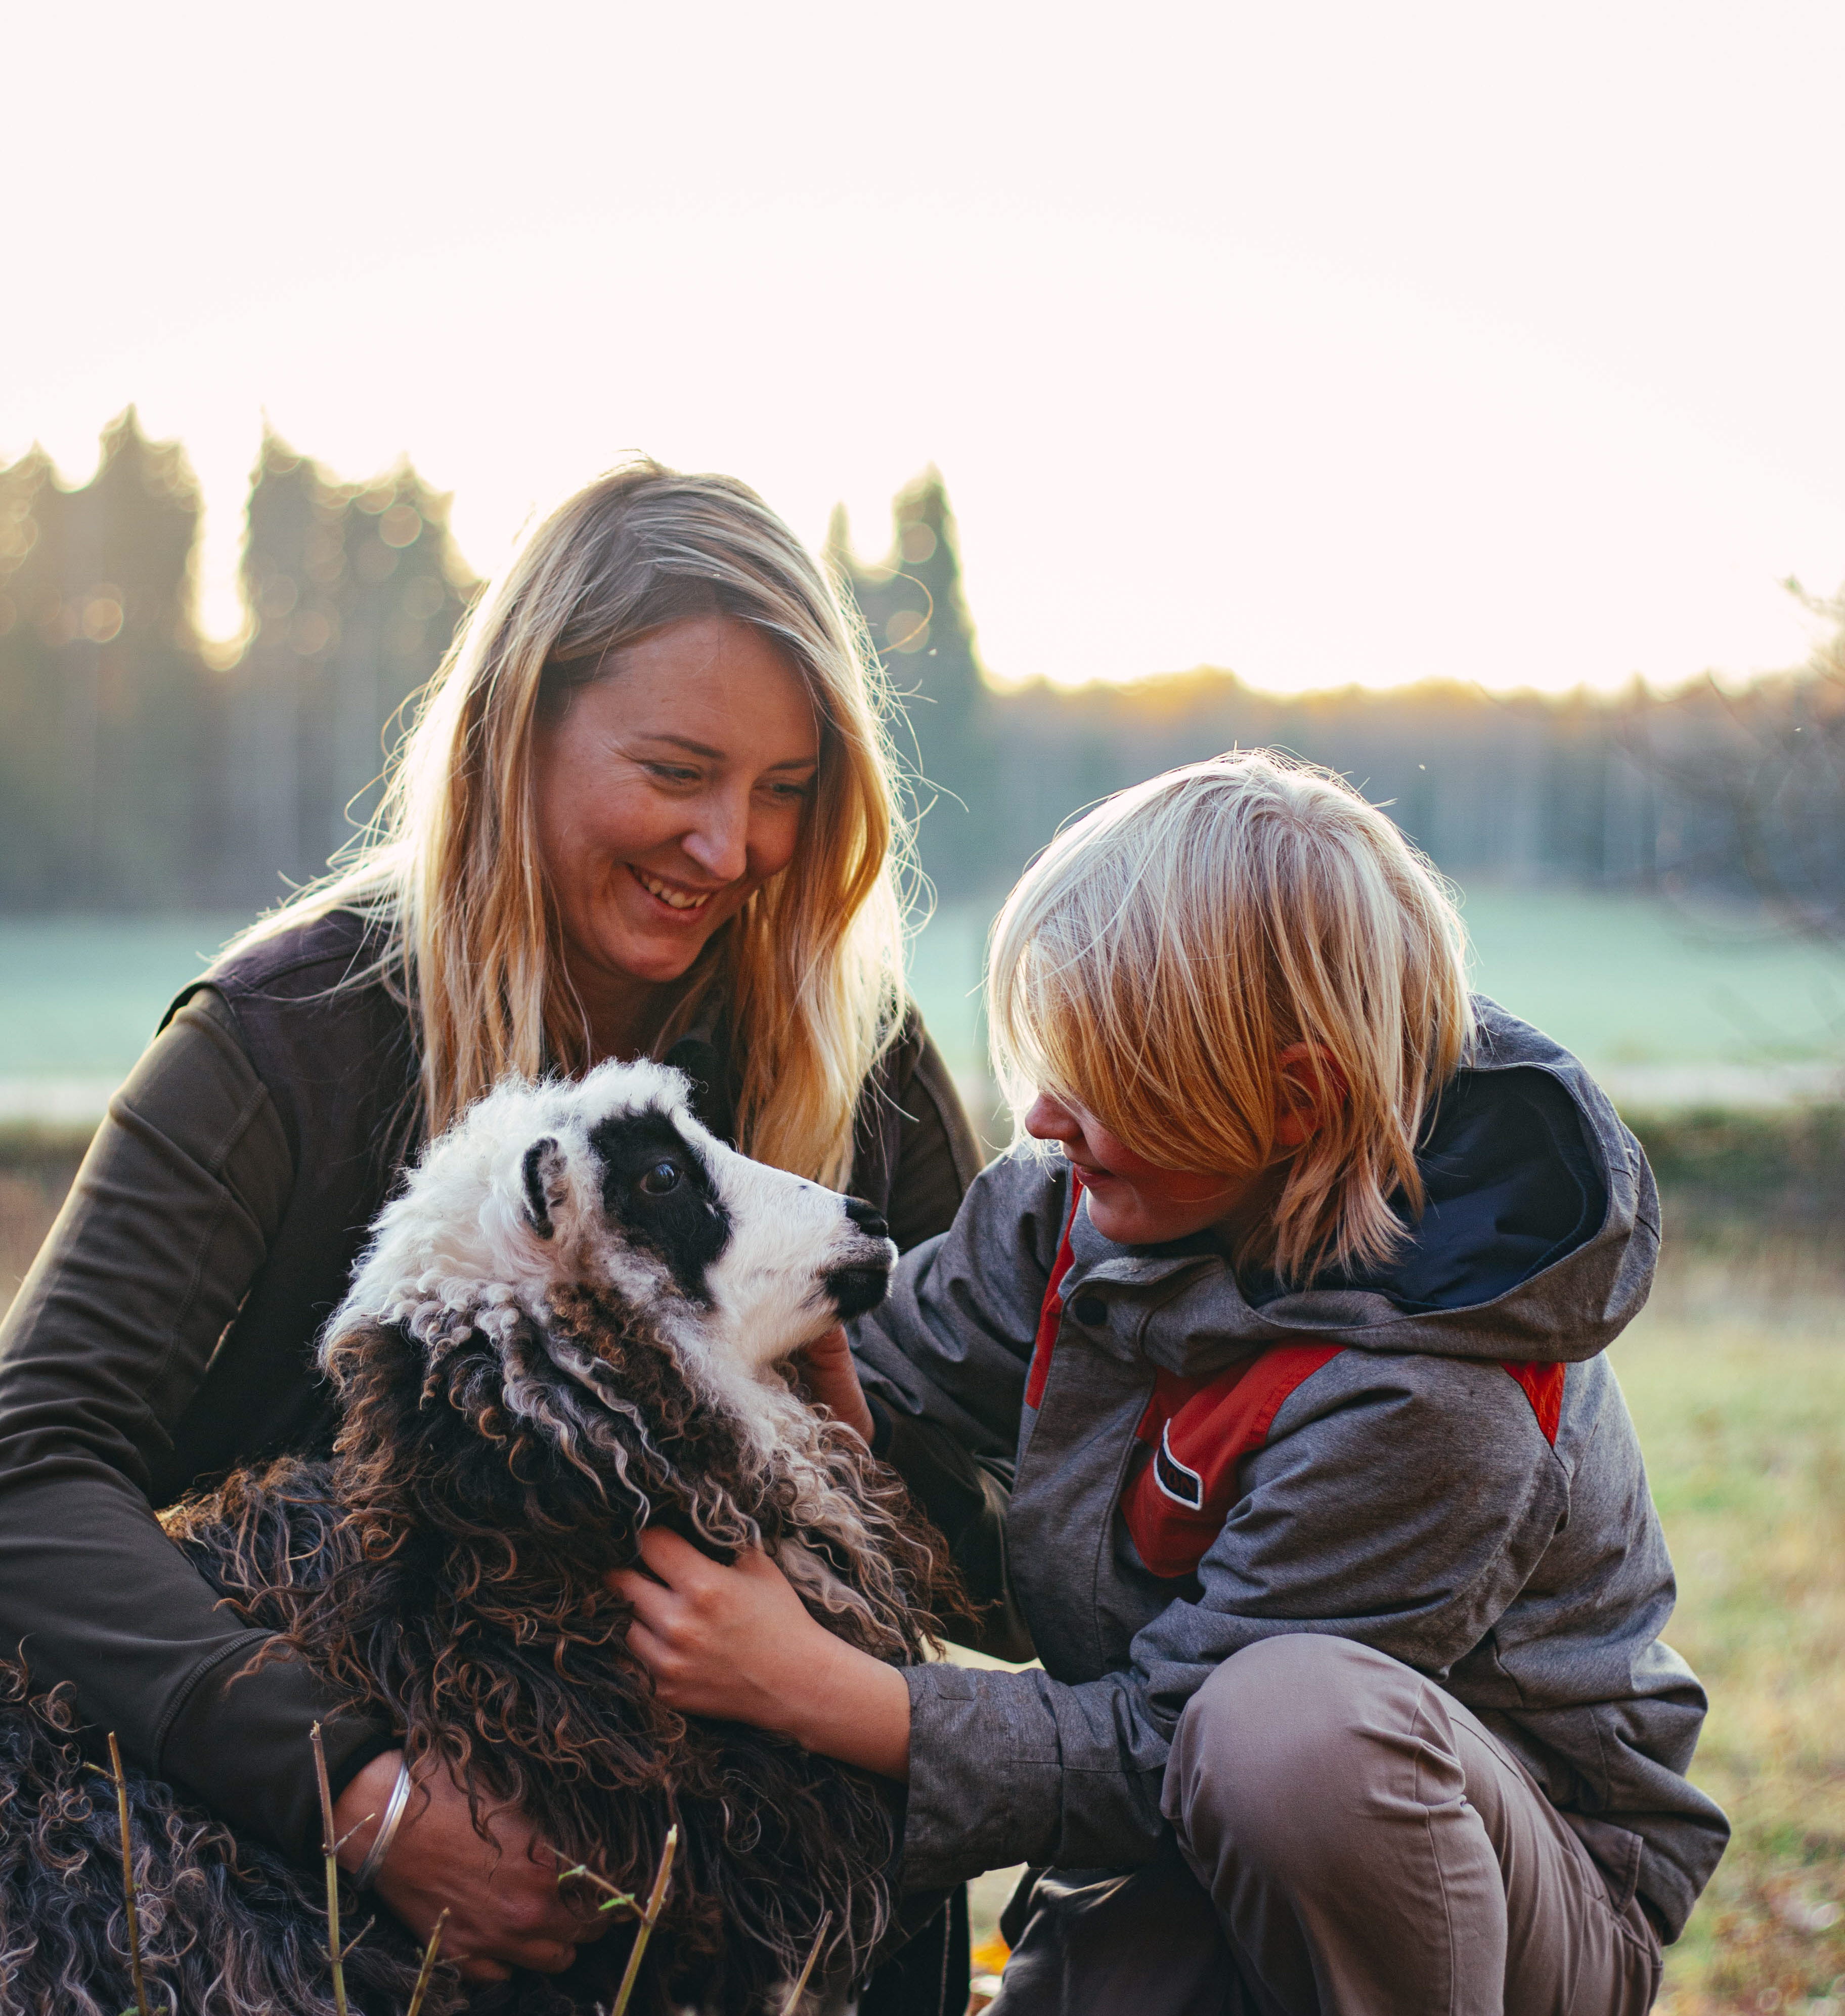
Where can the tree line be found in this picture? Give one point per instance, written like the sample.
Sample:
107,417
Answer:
141,767
1705,792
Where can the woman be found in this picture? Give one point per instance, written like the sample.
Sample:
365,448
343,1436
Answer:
646,809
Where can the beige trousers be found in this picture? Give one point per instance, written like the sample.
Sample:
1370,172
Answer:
1350,1840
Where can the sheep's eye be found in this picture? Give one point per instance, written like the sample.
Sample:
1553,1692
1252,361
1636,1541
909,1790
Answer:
663,1176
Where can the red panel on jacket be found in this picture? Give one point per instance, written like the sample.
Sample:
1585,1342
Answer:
1051,1314
1200,1431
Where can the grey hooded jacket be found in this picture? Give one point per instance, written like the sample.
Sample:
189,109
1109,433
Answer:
1406,1495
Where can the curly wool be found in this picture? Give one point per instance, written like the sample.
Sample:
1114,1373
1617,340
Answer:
444,1573
227,1928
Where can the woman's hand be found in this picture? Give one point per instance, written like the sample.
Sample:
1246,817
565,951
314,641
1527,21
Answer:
736,1644
501,1895
832,1381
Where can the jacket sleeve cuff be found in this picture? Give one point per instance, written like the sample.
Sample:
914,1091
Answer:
986,1774
1017,1767
238,1742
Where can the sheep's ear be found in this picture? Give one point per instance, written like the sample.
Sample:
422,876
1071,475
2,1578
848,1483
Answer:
544,1190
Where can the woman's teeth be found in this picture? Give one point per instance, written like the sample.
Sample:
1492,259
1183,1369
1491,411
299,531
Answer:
675,899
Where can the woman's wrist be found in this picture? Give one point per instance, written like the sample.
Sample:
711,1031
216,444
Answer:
368,1871
361,1809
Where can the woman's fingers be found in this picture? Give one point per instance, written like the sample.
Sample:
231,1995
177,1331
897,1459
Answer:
502,1896
547,1957
478,1973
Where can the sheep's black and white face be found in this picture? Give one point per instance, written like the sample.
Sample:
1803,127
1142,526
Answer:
611,1181
768,1260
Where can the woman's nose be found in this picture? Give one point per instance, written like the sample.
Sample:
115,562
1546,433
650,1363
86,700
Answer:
720,842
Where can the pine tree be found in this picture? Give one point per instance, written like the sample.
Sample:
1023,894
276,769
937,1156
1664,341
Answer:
353,592
32,827
916,615
103,715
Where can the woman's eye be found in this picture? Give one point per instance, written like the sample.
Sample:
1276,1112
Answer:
672,773
663,1176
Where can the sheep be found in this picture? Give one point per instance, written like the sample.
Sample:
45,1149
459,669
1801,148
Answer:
573,1321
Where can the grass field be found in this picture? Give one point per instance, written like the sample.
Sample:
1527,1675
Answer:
1736,1376
79,996
1630,985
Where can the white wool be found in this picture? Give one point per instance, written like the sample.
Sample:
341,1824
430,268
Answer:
457,1251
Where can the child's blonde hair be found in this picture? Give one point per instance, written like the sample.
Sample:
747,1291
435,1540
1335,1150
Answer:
1156,960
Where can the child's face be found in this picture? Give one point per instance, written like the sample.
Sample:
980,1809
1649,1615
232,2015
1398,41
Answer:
1131,1200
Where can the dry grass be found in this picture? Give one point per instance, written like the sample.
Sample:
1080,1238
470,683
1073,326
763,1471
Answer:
1736,1376
35,1170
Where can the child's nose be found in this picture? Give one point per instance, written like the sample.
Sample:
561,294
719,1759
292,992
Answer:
1049,1119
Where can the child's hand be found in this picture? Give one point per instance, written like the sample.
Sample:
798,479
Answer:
832,1381
736,1644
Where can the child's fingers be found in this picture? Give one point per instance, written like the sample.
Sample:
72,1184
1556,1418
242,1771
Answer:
651,1601
671,1556
656,1655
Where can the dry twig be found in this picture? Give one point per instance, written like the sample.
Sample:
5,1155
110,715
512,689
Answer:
807,1973
331,1848
617,1900
429,1964
121,1808
644,1930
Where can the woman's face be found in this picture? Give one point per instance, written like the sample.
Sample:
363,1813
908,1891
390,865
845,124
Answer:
668,791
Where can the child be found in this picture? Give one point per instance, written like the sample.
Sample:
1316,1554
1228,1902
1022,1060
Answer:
1329,1523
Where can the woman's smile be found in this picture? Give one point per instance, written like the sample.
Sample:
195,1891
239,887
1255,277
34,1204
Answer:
684,902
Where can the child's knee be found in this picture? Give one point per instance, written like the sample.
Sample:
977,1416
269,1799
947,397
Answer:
1289,1745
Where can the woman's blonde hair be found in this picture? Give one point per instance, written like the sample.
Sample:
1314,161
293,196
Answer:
1156,960
809,973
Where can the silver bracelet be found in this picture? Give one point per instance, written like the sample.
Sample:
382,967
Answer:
387,1830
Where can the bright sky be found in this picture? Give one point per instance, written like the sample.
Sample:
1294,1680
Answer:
1325,342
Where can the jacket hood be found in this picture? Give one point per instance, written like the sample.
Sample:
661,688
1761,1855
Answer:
1538,1240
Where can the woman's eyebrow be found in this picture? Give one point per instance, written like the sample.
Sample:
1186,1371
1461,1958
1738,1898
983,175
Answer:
721,756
